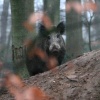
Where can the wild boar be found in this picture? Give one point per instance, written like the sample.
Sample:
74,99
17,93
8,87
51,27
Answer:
51,43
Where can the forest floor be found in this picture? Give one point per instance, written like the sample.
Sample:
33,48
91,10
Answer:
78,79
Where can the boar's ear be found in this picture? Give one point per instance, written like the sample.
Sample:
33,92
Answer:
42,30
61,27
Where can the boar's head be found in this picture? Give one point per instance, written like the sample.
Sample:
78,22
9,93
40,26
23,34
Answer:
54,42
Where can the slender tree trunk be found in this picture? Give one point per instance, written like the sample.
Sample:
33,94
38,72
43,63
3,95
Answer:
4,37
89,34
4,21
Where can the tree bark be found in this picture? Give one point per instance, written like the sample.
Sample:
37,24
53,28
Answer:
4,37
78,79
21,10
4,17
52,8
74,41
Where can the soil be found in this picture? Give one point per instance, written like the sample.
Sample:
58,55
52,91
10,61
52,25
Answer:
78,79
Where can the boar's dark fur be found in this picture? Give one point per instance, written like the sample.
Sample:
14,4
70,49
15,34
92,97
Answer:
51,43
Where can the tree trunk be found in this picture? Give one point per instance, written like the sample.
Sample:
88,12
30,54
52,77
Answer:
78,79
74,41
4,17
52,8
96,25
20,11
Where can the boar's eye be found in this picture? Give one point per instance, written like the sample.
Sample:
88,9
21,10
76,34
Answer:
58,35
48,37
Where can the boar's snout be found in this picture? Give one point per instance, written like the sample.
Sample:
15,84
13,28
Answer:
54,47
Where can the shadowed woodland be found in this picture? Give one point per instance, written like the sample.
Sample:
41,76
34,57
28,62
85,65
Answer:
49,50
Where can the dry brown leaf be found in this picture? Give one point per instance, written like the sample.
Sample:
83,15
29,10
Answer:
21,92
34,93
28,26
